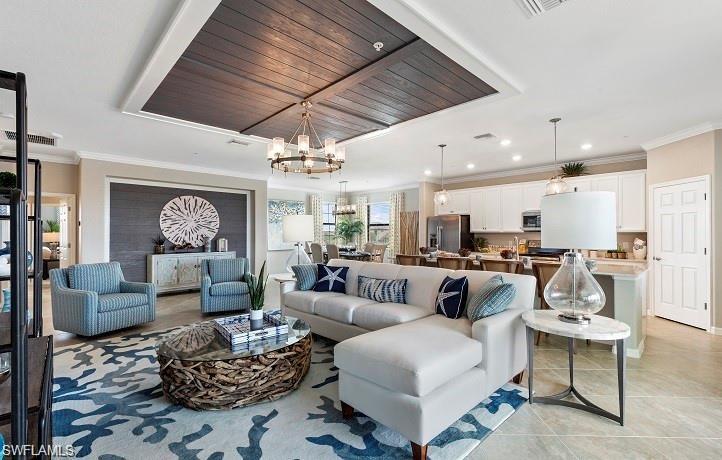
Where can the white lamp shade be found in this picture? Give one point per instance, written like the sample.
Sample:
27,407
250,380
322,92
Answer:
579,220
297,228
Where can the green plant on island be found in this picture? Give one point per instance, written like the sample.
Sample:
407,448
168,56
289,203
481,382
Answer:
51,226
574,169
348,229
257,287
479,243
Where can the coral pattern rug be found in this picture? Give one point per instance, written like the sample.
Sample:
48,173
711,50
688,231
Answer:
108,403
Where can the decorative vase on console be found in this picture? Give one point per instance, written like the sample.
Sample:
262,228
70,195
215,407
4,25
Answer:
257,292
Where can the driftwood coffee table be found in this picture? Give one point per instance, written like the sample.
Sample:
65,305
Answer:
199,370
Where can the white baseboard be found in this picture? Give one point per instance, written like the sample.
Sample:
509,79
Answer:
636,352
715,330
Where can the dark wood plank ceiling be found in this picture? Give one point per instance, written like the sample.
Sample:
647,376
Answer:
254,61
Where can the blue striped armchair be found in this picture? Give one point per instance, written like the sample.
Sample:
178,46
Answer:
222,285
90,299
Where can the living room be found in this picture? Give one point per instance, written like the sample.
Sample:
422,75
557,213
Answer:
313,229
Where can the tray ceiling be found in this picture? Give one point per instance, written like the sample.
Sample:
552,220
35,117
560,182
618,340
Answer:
254,61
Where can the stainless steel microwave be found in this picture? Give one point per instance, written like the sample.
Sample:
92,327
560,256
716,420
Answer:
531,221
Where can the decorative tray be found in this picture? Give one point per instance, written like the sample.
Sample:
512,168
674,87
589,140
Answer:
237,329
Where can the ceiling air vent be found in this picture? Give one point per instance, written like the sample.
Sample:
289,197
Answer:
537,7
485,136
33,138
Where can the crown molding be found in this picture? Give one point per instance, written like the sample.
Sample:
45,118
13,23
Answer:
546,168
85,155
71,159
683,134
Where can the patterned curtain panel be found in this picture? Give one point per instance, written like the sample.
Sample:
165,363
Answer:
317,212
362,213
398,204
409,233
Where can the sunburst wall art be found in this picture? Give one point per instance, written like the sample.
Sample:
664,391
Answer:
189,219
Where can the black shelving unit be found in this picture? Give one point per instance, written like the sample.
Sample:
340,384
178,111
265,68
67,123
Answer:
28,390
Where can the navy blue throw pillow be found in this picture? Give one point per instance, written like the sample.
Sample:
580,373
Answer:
331,279
451,299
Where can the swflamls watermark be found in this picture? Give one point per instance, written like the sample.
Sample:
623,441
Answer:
29,450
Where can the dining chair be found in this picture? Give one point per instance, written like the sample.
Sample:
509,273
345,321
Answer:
404,259
369,247
503,266
452,263
332,251
316,253
379,252
543,272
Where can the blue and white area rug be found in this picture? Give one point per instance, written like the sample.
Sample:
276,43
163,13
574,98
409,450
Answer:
108,403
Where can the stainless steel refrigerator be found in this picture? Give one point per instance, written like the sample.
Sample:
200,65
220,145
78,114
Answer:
449,232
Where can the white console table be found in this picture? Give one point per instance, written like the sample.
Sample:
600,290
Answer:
179,271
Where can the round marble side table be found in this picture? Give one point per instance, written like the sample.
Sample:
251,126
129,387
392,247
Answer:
600,328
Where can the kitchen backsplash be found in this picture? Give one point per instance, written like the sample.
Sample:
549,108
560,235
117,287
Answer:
503,239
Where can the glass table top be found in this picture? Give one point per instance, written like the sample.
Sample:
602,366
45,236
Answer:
201,342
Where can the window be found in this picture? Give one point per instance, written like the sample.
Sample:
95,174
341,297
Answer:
329,222
379,217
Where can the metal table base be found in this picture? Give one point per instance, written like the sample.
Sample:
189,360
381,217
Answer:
585,405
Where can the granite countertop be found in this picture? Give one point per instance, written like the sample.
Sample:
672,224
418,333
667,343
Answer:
630,271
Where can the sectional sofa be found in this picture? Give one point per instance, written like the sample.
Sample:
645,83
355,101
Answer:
405,366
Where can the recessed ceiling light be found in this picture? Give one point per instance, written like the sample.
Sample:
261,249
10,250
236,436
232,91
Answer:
505,142
470,166
516,157
586,146
427,172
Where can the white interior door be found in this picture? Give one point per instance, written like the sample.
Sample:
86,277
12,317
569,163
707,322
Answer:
679,256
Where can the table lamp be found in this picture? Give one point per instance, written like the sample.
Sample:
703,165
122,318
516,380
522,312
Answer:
297,229
577,220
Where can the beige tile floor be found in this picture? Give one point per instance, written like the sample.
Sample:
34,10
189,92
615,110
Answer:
674,394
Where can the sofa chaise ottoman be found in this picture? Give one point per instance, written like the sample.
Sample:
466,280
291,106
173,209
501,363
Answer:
405,366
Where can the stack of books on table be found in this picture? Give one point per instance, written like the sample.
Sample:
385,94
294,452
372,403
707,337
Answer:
238,333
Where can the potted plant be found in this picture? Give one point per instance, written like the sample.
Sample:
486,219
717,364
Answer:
348,229
159,244
574,169
257,291
7,180
479,243
51,231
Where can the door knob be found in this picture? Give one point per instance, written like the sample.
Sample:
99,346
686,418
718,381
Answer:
657,258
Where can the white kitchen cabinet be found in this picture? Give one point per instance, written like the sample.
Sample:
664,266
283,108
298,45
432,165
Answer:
532,195
632,202
605,184
174,272
492,209
459,202
476,205
511,209
579,184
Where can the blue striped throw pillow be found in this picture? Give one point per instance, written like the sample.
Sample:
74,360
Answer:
305,276
382,290
494,297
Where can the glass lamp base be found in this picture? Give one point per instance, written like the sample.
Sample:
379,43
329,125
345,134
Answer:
580,319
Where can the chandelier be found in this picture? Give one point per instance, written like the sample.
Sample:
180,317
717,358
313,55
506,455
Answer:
343,208
556,184
442,197
309,158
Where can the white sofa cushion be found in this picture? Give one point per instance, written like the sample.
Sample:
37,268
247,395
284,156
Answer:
340,308
380,315
412,358
423,285
305,300
525,285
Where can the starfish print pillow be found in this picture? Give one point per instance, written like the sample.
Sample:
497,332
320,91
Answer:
331,279
451,299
